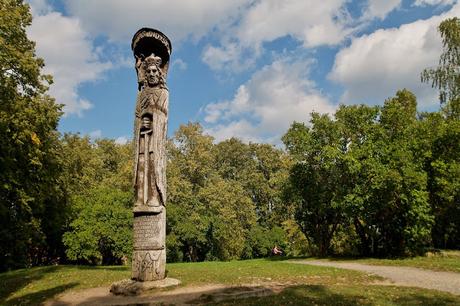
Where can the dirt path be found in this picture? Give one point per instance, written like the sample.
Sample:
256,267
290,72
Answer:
178,296
400,276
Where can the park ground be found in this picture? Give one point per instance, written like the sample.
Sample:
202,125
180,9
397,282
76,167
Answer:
251,282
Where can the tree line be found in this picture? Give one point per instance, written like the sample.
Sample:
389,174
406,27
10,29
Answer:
367,180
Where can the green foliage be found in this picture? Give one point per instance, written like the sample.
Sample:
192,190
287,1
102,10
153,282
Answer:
188,167
446,76
376,180
363,169
31,196
442,146
231,214
296,244
98,180
443,168
389,202
317,180
222,197
88,165
102,229
262,241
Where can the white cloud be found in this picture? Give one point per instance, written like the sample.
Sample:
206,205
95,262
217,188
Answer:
121,140
230,55
313,23
264,107
120,19
374,66
433,2
380,8
69,56
180,64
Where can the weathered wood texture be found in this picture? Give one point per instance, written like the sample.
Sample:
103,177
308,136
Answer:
150,128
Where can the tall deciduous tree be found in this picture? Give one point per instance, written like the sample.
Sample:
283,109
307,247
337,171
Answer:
388,200
441,139
102,229
443,160
317,179
30,189
446,77
365,168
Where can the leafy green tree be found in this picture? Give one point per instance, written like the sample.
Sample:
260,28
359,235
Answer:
445,186
189,167
262,240
219,195
30,162
102,229
82,167
317,180
231,214
95,175
446,77
365,169
357,124
234,160
260,169
265,183
442,164
443,161
295,242
388,202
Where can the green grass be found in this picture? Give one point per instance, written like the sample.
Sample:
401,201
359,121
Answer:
260,270
318,285
442,261
348,295
33,286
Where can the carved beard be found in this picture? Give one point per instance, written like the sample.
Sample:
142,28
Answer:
153,81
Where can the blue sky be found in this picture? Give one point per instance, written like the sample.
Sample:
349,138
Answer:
241,68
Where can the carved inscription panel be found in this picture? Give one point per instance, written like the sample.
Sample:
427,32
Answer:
149,265
148,232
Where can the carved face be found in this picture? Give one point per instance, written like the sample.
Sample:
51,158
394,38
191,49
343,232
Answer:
153,75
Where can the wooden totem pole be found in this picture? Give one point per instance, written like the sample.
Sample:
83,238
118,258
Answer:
152,50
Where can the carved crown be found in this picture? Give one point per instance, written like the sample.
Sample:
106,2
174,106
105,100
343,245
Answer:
152,59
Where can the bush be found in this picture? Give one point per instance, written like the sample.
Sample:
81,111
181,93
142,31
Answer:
102,229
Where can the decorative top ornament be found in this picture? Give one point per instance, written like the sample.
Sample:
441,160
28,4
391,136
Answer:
150,46
147,41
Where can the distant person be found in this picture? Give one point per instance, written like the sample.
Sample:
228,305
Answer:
277,251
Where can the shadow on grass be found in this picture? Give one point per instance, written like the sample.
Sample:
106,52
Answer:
39,297
111,268
418,299
13,281
321,295
292,295
283,258
302,295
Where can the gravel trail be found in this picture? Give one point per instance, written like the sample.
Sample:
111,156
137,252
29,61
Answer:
401,276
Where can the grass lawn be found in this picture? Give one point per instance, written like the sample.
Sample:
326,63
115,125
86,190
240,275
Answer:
319,285
347,295
441,261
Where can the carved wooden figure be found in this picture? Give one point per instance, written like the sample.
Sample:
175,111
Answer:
151,50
